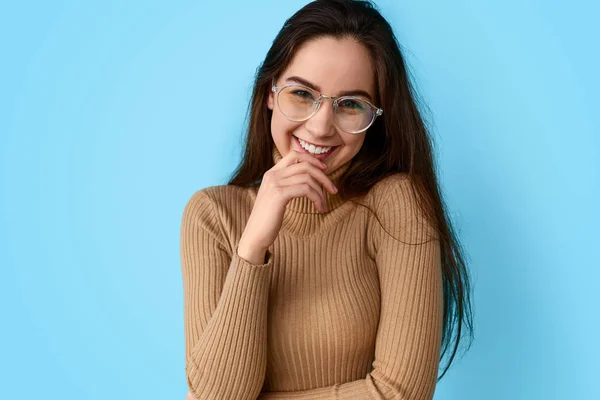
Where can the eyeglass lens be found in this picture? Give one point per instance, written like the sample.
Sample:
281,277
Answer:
298,103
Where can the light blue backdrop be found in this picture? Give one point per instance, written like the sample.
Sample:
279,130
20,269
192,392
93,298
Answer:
113,113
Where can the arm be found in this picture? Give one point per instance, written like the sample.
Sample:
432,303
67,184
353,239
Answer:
408,340
225,309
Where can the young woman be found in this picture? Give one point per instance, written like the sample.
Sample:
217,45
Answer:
327,268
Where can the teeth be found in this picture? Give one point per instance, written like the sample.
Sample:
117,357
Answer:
311,148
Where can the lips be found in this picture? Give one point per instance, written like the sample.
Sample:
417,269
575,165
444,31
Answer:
316,145
320,157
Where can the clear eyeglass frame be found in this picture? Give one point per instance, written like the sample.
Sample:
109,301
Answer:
376,110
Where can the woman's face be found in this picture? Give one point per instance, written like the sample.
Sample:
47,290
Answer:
332,66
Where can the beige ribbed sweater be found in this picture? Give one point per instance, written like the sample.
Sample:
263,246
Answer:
342,309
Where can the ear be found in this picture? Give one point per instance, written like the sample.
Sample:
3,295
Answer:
270,100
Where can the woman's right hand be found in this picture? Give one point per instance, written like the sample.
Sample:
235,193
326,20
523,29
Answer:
297,174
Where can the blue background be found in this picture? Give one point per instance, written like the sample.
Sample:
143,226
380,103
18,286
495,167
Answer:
113,113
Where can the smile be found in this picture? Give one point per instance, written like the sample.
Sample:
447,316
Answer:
313,148
320,153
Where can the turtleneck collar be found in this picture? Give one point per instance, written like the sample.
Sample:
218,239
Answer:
303,204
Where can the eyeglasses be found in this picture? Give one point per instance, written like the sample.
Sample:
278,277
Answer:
352,114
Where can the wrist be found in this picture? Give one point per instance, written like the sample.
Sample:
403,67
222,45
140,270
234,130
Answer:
251,253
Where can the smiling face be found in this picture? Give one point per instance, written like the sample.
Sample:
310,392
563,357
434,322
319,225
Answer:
332,67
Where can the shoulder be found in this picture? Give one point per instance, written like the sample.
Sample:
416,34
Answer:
398,181
220,197
397,207
397,186
212,208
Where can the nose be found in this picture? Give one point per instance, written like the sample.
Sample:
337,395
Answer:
321,124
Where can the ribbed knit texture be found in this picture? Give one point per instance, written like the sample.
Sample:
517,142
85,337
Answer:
348,304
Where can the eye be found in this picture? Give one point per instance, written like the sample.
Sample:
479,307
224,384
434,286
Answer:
303,94
351,104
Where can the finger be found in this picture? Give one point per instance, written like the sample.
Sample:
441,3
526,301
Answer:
303,189
318,174
301,179
295,157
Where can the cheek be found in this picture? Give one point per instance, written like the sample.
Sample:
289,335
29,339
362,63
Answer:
280,125
352,147
353,143
282,129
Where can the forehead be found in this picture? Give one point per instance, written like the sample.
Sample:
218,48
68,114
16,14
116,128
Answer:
334,65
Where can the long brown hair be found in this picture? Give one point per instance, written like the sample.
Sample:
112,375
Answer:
398,141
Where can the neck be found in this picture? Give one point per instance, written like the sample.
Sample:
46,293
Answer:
303,204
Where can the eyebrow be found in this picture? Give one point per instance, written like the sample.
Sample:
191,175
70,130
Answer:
318,89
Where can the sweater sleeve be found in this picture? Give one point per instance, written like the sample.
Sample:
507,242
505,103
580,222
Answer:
225,309
408,341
